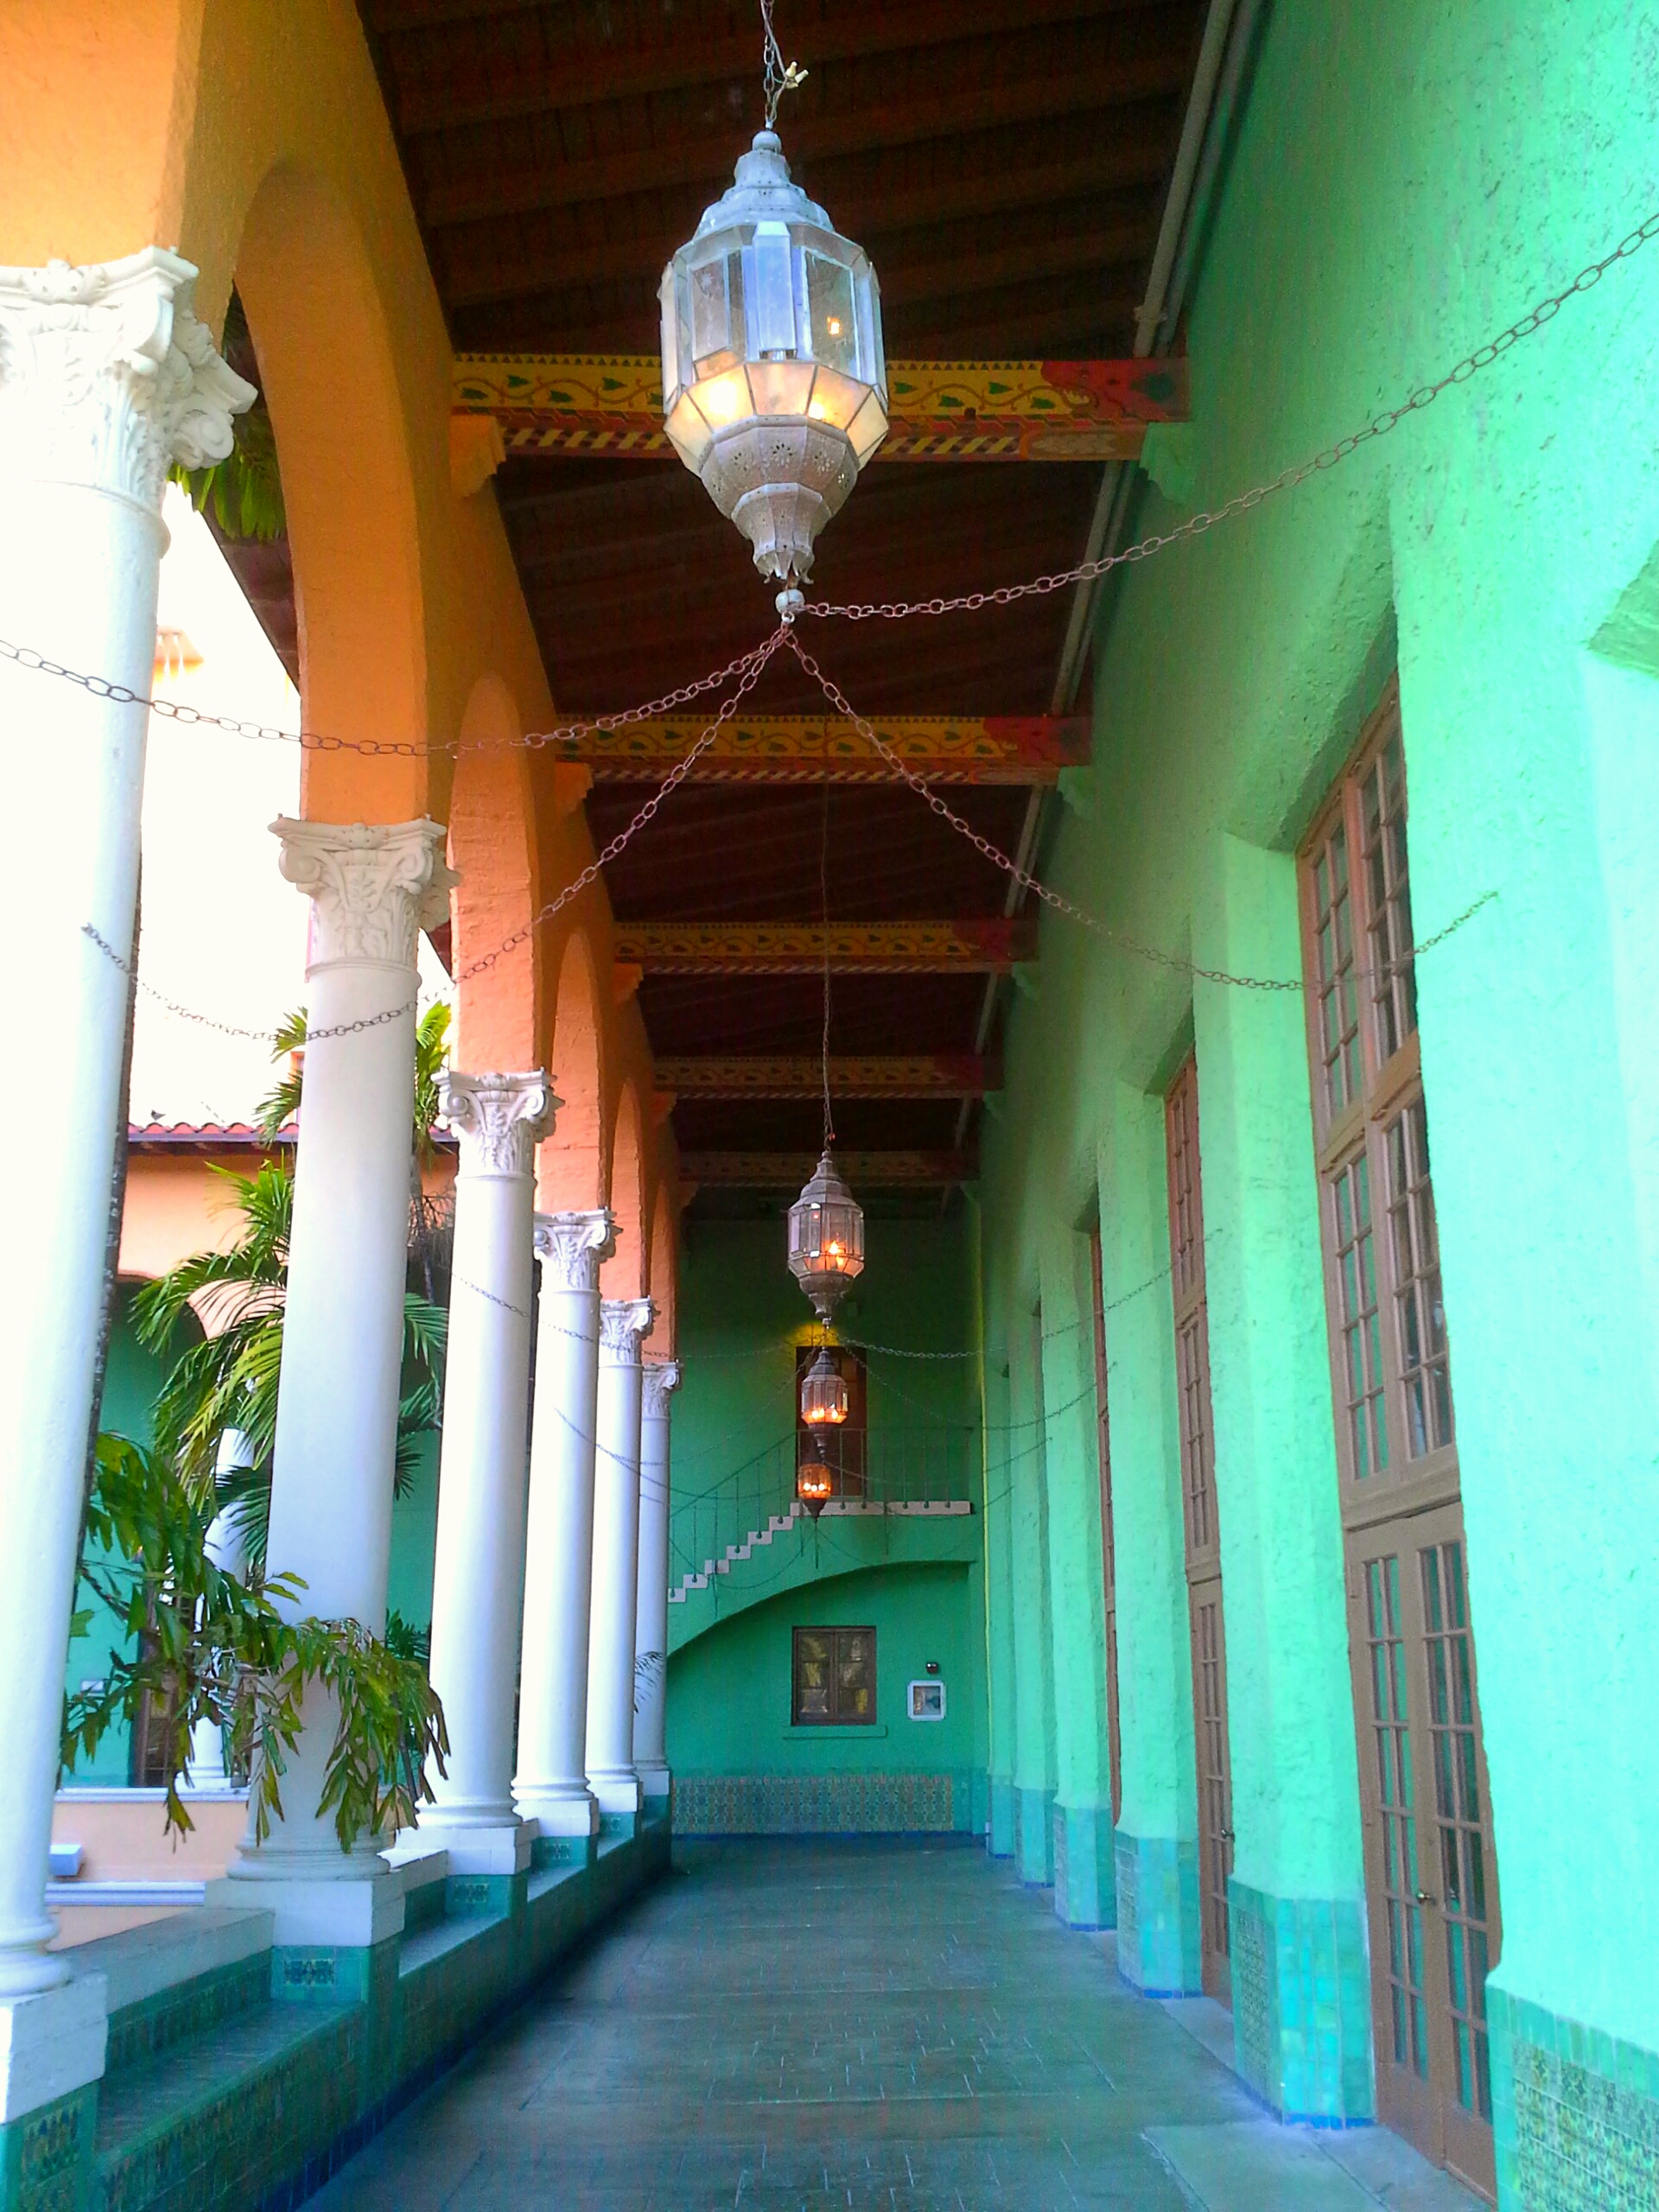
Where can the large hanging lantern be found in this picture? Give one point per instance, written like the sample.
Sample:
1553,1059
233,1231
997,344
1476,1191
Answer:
824,1401
774,379
826,1238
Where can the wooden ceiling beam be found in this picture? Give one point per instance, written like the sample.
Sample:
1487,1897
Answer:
1034,98
981,944
586,74
813,748
611,406
474,273
863,1171
800,1075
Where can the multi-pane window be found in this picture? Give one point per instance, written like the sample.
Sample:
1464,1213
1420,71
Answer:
834,1677
1109,1561
1431,1878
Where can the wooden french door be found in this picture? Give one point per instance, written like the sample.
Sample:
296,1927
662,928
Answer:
1107,1551
1431,1872
1205,1619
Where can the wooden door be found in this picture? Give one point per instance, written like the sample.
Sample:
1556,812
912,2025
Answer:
1207,1617
1107,1551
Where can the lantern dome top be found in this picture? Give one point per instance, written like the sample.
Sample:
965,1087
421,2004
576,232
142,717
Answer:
762,191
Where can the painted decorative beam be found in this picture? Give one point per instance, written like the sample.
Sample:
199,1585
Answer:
983,946
800,1075
611,404
864,1171
810,748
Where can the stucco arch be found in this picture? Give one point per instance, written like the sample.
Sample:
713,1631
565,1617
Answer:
664,1275
628,1274
492,846
327,361
574,1160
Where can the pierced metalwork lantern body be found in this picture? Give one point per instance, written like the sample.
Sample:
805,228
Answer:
815,1485
824,1401
826,1238
774,378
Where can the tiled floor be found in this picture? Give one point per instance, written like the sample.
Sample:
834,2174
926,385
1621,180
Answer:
796,2026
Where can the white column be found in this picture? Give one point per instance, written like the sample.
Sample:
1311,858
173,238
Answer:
371,888
209,1777
478,1582
552,1785
650,1623
611,1773
106,378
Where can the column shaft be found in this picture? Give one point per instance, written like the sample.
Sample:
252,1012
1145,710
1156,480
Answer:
107,378
651,1621
551,1786
478,1581
611,1772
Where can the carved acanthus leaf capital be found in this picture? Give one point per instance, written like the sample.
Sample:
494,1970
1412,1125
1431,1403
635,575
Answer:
373,885
107,378
662,1376
570,1247
622,1322
499,1118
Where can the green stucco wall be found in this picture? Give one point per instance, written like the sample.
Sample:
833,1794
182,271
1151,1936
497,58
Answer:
1407,182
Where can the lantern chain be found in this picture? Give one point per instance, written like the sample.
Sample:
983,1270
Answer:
1298,472
781,76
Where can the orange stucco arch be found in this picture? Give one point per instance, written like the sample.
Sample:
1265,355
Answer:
498,1011
628,1274
573,1162
664,1275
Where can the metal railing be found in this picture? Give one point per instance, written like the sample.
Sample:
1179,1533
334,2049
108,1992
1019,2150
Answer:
934,1465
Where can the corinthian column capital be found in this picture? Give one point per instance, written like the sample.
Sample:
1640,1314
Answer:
500,1118
622,1322
662,1376
373,885
570,1247
106,377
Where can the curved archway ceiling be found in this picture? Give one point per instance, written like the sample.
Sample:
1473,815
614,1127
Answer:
1005,163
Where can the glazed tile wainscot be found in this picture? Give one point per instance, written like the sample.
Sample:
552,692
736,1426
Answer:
240,2074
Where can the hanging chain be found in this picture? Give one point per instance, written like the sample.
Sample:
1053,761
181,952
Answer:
1057,899
823,913
754,664
229,1029
1286,479
781,76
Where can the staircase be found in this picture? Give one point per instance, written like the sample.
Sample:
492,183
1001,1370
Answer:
778,1525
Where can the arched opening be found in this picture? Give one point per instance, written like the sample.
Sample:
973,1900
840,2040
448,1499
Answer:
498,1018
306,279
628,1274
574,1159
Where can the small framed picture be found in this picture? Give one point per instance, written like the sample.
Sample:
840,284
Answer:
927,1700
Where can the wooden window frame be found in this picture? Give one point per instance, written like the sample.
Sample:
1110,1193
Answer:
834,1718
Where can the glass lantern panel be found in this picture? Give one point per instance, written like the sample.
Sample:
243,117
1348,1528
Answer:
717,330
722,399
687,433
774,302
781,387
671,376
869,427
836,399
829,312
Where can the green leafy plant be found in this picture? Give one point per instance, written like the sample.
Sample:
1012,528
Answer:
212,1647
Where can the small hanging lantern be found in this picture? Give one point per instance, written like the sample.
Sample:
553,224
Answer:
824,1402
774,377
814,1484
826,1238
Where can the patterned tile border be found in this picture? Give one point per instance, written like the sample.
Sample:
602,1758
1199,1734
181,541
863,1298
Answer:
1085,1884
1000,1838
1575,2113
45,2158
814,1805
1158,1928
1033,1836
1302,2005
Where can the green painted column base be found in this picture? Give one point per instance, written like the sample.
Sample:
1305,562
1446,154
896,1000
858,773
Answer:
1085,1878
1033,1836
1575,2113
999,1840
46,2157
485,1897
550,1851
657,1808
1159,1935
1302,2005
623,1825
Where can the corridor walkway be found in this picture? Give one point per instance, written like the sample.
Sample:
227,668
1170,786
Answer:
796,2026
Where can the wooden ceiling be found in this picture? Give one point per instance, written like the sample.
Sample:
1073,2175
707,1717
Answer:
1005,164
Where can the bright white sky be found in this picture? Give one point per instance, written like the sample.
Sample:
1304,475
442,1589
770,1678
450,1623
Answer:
223,933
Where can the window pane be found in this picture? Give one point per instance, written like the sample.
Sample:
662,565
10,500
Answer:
1334,979
1419,1309
1388,899
1361,1360
1462,1852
